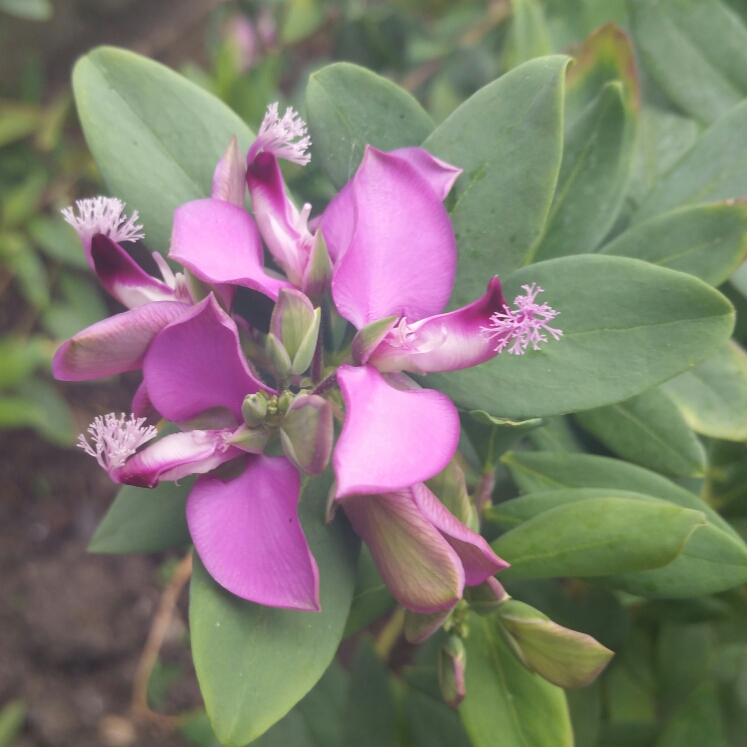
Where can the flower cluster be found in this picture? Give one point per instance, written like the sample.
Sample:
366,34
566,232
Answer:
382,258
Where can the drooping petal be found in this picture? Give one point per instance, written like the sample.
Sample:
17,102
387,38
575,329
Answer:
439,174
196,363
446,342
402,258
114,345
390,439
219,243
478,558
123,277
282,226
176,456
229,179
248,535
416,563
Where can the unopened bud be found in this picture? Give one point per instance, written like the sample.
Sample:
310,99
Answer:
368,338
284,402
450,487
252,440
307,432
452,659
318,273
229,179
487,597
564,657
254,409
419,626
294,329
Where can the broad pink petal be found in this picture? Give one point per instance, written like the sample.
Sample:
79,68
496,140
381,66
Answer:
337,222
439,174
390,439
402,258
123,277
229,179
219,243
114,345
282,226
446,342
196,363
478,558
176,456
416,563
247,534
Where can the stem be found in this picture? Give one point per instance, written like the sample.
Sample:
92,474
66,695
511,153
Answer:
390,633
328,383
156,636
317,363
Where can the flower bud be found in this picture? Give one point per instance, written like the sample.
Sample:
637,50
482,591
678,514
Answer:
564,657
368,338
318,273
252,440
294,329
418,626
306,433
452,659
487,597
254,409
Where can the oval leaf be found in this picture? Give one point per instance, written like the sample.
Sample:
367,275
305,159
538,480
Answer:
627,326
504,698
254,663
349,107
597,537
155,136
508,138
650,430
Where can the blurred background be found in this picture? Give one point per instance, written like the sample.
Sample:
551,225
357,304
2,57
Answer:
72,625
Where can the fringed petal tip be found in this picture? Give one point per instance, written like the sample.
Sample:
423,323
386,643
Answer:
284,137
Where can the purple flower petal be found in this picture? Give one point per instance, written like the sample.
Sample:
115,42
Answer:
402,258
282,226
176,456
416,563
390,439
123,277
229,179
219,243
478,558
247,534
114,345
142,407
197,363
446,342
439,174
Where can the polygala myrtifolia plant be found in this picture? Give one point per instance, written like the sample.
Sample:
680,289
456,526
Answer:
318,368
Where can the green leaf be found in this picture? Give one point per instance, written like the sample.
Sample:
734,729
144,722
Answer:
370,717
713,395
529,37
714,559
508,138
663,137
698,723
597,537
648,429
627,326
597,158
12,716
58,240
708,241
49,412
432,723
586,714
605,56
143,520
492,436
155,136
349,107
254,663
30,10
504,699
714,169
696,51
556,435
82,307
17,120
324,707
371,598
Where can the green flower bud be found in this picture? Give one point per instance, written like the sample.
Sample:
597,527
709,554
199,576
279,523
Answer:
564,657
294,329
487,597
306,433
452,659
254,409
318,274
